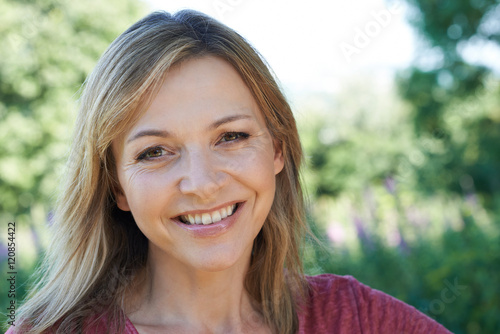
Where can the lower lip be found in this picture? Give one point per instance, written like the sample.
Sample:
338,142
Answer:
212,230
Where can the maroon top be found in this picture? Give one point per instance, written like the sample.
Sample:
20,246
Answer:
341,305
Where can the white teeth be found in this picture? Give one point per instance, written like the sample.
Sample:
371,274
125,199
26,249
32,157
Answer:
206,219
223,213
209,218
216,216
230,209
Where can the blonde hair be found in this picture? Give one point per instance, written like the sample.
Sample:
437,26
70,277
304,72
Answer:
97,249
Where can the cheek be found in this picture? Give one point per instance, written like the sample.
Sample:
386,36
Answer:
255,158
255,171
146,193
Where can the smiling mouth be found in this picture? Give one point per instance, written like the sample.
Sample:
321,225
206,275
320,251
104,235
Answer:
209,217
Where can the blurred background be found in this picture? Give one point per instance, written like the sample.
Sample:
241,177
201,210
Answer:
398,105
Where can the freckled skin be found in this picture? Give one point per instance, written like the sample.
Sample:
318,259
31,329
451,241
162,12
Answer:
196,170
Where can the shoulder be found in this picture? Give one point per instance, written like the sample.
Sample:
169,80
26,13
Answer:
98,324
341,304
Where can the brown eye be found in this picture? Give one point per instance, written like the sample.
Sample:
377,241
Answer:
152,153
233,136
156,152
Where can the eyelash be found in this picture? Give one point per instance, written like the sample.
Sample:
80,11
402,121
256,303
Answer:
143,154
239,136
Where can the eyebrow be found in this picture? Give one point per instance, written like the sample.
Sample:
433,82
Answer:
165,134
227,119
149,133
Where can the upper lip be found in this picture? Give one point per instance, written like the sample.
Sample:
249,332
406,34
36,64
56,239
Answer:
199,212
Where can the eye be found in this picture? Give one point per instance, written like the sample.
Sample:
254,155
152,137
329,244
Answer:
152,153
233,136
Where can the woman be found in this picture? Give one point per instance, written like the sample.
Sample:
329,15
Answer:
183,206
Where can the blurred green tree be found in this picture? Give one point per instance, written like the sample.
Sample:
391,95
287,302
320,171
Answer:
48,48
349,141
455,95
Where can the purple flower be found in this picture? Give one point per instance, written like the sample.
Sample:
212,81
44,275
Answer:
3,252
390,185
363,236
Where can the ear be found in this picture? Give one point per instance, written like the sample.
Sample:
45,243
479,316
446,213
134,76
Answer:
121,199
279,160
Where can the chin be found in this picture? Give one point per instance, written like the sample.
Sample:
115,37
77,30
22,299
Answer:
217,262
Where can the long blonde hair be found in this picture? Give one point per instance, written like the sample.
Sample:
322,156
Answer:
97,248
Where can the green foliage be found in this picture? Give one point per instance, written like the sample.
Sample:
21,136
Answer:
467,159
359,137
443,80
445,23
49,47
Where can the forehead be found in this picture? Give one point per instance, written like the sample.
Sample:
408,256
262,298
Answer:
199,90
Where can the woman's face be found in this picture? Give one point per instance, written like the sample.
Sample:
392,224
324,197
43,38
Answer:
198,169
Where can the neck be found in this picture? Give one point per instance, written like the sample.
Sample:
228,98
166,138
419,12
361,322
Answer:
178,297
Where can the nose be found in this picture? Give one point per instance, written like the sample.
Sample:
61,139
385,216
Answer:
202,174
